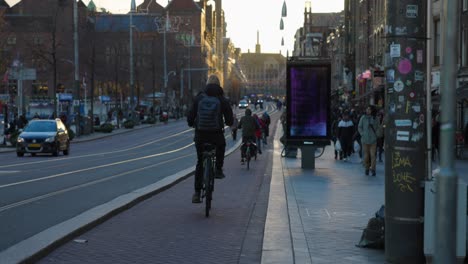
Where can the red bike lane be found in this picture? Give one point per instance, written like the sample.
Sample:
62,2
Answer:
168,228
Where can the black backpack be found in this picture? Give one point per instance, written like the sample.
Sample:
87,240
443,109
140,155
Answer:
373,235
209,114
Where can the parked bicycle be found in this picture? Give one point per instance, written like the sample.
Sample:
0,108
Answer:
209,170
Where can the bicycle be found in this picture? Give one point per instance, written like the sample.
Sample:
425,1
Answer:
209,161
248,152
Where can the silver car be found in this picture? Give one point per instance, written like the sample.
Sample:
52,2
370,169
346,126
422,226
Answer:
243,104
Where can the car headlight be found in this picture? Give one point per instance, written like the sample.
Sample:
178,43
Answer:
20,140
50,139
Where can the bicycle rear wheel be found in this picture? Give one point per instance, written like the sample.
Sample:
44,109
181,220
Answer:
207,184
248,157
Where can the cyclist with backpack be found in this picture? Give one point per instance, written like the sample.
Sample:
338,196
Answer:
206,116
249,125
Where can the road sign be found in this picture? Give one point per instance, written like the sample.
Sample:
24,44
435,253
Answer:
4,97
23,74
29,74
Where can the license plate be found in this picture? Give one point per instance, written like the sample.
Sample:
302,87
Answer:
36,145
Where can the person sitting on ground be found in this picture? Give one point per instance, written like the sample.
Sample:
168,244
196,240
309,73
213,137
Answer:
207,130
248,126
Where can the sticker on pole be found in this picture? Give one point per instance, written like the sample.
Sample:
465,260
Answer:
395,50
411,11
398,86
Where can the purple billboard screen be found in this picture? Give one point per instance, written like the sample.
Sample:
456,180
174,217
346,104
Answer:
308,102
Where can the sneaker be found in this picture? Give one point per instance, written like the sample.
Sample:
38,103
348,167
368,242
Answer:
367,172
219,174
373,172
196,197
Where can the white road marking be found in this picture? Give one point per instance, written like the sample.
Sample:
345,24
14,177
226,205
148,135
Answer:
92,168
326,211
96,154
41,197
7,172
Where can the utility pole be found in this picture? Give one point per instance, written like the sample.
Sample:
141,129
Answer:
447,179
405,132
132,84
77,68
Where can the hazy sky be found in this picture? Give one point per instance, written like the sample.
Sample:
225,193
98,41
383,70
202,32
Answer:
245,17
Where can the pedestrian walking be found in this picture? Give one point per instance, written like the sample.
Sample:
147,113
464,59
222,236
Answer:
334,131
235,123
266,130
367,130
345,135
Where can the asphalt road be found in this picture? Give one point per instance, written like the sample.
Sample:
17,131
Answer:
42,191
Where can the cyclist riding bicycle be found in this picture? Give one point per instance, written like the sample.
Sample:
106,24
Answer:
249,125
206,116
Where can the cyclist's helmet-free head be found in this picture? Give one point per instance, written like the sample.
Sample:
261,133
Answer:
248,112
213,79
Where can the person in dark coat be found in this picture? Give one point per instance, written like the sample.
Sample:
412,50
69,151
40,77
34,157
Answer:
213,88
249,125
345,135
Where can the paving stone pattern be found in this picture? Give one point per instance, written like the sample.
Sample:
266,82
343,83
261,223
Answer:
334,202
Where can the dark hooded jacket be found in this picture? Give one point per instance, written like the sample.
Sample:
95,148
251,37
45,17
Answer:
211,90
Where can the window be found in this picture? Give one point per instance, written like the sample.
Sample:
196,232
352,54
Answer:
437,42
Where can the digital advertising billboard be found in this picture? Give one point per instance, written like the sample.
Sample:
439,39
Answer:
308,102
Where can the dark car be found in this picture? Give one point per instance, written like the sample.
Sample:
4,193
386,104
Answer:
243,104
43,136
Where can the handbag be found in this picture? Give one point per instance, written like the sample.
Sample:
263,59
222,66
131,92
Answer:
356,146
338,145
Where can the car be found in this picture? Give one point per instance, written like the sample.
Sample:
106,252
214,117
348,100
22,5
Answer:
43,136
243,104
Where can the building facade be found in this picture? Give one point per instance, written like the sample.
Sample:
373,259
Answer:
265,73
175,48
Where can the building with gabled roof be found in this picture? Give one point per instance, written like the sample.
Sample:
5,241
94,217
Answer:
265,73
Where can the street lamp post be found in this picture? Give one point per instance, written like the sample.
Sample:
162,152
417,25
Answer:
166,27
132,85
